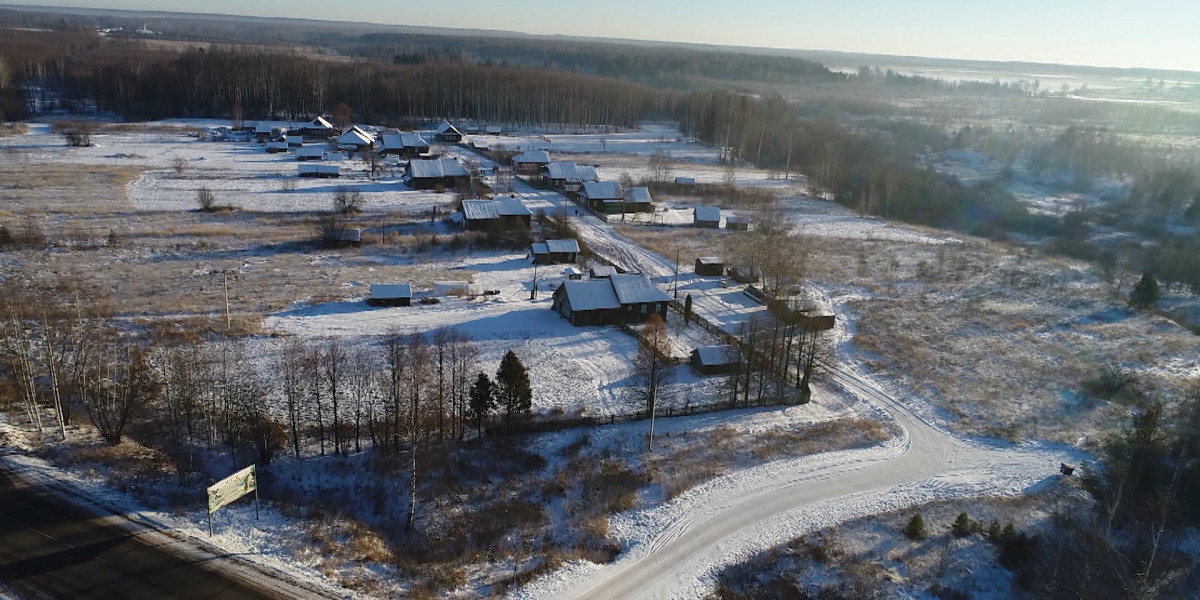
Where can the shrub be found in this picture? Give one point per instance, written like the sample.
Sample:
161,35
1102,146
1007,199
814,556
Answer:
179,164
915,530
963,526
206,199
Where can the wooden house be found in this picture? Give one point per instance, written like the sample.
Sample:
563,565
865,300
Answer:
264,132
445,132
602,196
707,216
427,174
317,129
638,200
552,252
304,153
737,223
530,163
390,294
407,144
507,213
319,171
356,140
616,299
716,360
710,266
567,176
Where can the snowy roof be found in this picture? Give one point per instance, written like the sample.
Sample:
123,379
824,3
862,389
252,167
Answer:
436,168
493,129
356,137
320,123
602,271
711,356
587,173
639,195
404,139
635,289
479,210
445,127
710,260
540,157
602,190
572,271
562,170
590,295
540,248
390,291
708,214
511,207
310,151
562,246
263,127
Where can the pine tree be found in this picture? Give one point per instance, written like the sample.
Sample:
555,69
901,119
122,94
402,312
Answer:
687,309
962,526
1145,293
483,400
915,530
513,390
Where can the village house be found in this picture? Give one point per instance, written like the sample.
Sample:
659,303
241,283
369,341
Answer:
319,171
530,163
617,299
264,132
507,213
304,153
567,176
716,360
317,129
709,266
406,144
707,216
390,294
445,132
356,140
552,252
638,200
602,196
428,174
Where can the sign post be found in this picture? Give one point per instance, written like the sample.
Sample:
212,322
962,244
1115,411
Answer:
224,492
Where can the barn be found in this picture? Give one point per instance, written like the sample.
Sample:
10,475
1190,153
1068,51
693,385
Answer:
716,360
710,266
390,294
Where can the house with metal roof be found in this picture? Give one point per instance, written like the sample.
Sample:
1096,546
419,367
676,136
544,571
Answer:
567,176
317,129
445,132
602,196
716,360
616,299
408,144
601,271
531,162
552,252
356,140
707,216
304,153
427,174
390,294
737,223
638,199
507,213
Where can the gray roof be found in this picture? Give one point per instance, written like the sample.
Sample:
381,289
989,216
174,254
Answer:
311,151
718,355
602,190
590,295
636,289
708,214
710,260
602,271
562,246
479,210
685,181
639,195
356,137
436,168
540,248
445,127
540,157
404,139
587,173
319,123
390,291
562,170
511,207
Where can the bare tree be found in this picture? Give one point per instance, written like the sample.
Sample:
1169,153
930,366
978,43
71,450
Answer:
347,200
660,165
291,370
651,367
119,388
205,199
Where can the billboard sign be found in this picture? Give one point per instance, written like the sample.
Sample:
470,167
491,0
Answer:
224,492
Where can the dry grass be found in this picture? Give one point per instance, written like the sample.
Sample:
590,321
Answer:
10,129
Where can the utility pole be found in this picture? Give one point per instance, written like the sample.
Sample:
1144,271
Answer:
534,290
675,284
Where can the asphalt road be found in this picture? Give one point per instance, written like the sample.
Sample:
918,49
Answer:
53,548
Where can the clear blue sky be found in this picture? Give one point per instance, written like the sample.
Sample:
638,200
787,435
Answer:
1121,33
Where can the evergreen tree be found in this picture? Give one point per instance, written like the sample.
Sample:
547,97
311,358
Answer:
962,526
915,530
483,400
1145,293
513,391
687,309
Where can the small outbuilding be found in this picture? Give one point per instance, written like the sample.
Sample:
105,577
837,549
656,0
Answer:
710,266
319,171
390,294
552,252
685,181
716,360
737,223
707,216
601,272
638,199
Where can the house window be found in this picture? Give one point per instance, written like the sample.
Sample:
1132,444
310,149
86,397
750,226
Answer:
643,309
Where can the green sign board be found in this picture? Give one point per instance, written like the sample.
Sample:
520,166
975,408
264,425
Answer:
224,492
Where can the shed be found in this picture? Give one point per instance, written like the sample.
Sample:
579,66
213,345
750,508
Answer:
343,236
638,200
710,266
573,274
601,272
493,130
716,360
445,132
736,223
264,132
277,147
688,181
390,294
707,216
555,252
